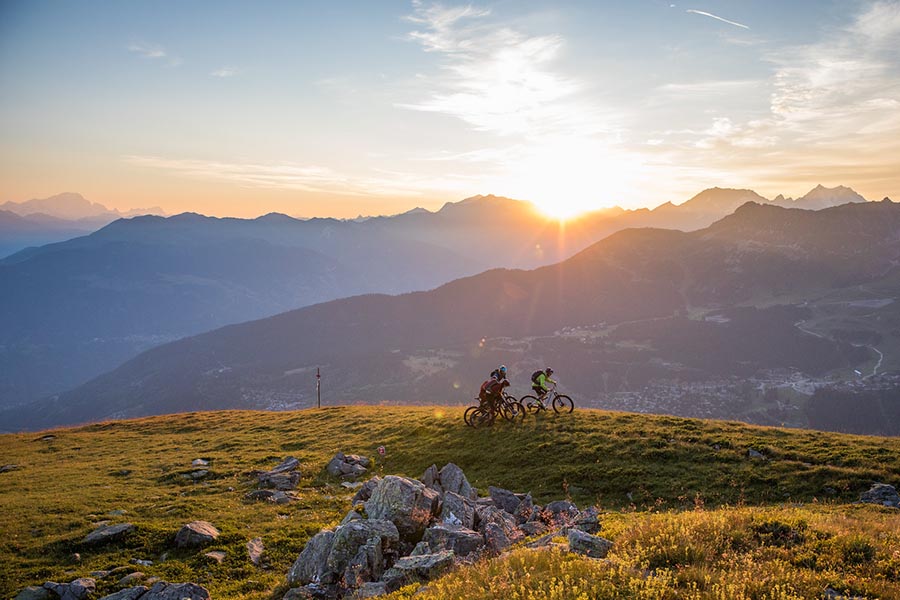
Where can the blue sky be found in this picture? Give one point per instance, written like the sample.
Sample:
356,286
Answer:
340,108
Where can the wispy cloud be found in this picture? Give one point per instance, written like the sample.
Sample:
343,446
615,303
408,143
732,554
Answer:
224,72
497,79
154,52
305,177
716,17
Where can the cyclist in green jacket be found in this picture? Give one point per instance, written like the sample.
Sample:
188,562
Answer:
539,381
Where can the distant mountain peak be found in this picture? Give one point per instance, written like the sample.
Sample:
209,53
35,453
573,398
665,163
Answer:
72,206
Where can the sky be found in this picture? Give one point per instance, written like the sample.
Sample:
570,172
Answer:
362,107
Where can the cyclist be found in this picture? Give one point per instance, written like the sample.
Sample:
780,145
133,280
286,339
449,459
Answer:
492,389
499,373
539,381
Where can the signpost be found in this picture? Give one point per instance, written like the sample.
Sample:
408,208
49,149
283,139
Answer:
318,388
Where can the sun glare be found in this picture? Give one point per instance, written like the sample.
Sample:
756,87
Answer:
571,177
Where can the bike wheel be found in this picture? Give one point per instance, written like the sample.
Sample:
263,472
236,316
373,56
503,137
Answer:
531,404
467,416
563,404
481,418
512,411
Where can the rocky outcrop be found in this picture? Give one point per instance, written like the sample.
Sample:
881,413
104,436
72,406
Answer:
107,534
349,466
196,533
883,494
414,530
589,545
407,503
79,589
283,477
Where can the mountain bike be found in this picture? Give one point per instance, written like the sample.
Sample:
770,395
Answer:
560,402
507,407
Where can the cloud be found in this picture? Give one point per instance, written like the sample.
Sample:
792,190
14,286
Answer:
305,177
154,52
496,79
718,18
224,72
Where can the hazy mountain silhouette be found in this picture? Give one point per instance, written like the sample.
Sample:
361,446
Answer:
73,207
428,346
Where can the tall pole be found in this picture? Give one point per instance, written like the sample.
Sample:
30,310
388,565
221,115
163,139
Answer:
318,388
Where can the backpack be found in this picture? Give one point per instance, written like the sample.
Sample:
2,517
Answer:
535,376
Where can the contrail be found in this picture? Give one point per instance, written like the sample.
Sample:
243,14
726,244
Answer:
718,18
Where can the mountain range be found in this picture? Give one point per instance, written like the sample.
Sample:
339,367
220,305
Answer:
47,220
640,307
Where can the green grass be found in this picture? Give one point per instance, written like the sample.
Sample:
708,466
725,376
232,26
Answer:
67,484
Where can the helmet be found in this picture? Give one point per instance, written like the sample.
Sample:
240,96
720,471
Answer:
548,371
502,370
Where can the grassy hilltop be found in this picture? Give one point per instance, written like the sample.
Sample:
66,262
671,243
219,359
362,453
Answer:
692,514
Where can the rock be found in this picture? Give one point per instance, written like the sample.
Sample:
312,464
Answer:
351,516
525,509
460,540
495,538
283,477
260,495
175,591
561,513
199,462
99,574
372,589
411,568
6,469
347,465
590,545
491,515
79,589
365,491
117,513
75,557
358,550
255,551
198,474
132,578
543,541
756,455
107,533
132,593
420,549
311,564
216,555
196,533
279,481
454,480
533,528
33,592
504,499
458,510
407,503
334,465
883,494
351,485
432,479
588,520
142,562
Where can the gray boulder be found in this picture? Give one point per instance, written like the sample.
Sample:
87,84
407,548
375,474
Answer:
347,465
279,481
365,491
334,465
108,533
561,513
372,589
34,592
255,551
311,564
132,593
407,503
533,528
525,510
458,510
883,494
351,516
358,549
589,545
175,591
588,520
417,568
460,540
504,499
491,515
79,589
454,480
432,479
495,538
196,533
